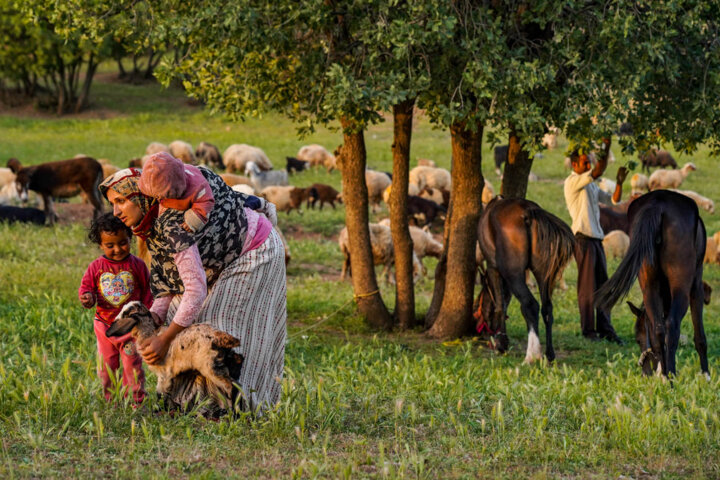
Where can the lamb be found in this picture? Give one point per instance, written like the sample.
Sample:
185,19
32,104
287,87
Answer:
424,211
425,162
382,250
236,157
376,183
317,155
323,193
156,147
712,255
208,154
657,158
295,165
670,178
616,244
183,151
431,177
424,245
262,179
199,347
243,188
702,202
639,183
231,179
285,198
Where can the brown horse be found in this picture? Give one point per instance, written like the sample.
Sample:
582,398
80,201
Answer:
517,235
667,246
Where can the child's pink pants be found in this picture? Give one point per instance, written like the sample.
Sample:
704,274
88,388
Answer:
113,349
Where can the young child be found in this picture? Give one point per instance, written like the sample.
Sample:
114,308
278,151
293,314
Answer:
111,281
178,186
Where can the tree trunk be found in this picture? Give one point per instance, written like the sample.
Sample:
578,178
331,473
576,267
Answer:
440,272
404,288
517,169
352,159
455,316
121,69
83,100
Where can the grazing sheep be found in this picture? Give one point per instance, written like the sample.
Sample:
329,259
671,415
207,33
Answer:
431,177
657,158
7,177
702,202
425,162
231,179
317,155
262,179
607,185
238,155
616,244
199,347
412,190
295,165
441,197
12,214
9,194
712,255
183,151
424,211
243,188
156,147
670,178
285,198
639,183
208,154
138,162
376,183
323,193
382,250
424,245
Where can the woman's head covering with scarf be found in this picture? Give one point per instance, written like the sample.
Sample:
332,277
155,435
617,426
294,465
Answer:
125,183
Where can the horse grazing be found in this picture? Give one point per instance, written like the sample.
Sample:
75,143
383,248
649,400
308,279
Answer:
60,179
516,235
667,246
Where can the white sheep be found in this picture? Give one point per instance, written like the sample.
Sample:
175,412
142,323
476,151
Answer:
6,176
703,202
231,179
237,156
425,162
317,155
412,190
670,178
639,184
262,179
616,244
109,169
424,245
376,183
431,177
607,185
549,140
243,188
183,151
156,147
382,250
285,198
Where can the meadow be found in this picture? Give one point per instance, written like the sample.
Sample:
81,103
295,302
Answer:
356,403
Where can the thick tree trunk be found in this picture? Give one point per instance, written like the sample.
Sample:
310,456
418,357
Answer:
440,272
517,169
405,291
352,158
455,316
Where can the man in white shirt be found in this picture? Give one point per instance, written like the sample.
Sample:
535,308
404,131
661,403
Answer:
582,196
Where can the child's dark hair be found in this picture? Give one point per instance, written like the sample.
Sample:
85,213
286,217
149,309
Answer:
108,223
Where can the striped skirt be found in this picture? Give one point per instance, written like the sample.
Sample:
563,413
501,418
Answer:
249,301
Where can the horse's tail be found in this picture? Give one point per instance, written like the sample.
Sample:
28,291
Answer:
555,239
643,233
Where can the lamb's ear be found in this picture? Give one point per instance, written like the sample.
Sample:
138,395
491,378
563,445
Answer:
121,326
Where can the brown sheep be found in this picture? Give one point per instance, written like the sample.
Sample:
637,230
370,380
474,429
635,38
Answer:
323,193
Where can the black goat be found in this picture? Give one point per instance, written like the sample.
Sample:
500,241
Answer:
295,165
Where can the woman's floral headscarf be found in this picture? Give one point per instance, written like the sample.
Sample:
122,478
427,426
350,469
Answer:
125,183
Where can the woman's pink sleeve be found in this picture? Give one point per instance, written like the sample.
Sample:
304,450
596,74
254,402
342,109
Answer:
160,306
192,274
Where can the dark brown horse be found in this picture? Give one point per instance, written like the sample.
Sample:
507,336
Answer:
667,246
516,235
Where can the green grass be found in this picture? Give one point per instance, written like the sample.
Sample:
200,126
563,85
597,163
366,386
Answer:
356,404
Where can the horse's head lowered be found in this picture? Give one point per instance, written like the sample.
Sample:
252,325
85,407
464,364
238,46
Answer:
649,358
490,316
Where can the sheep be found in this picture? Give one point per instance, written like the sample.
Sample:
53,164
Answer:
243,188
317,155
424,211
138,162
424,245
657,158
231,179
6,177
431,177
412,190
183,151
156,147
323,193
549,140
236,157
712,255
670,178
376,183
295,165
607,185
436,195
108,169
488,193
199,347
616,244
208,154
425,162
382,250
285,198
703,202
639,183
262,179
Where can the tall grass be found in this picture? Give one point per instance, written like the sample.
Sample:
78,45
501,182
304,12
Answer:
356,404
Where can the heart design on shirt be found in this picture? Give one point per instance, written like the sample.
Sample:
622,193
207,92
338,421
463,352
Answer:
117,288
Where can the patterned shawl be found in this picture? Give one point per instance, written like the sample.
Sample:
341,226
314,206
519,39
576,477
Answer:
125,182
